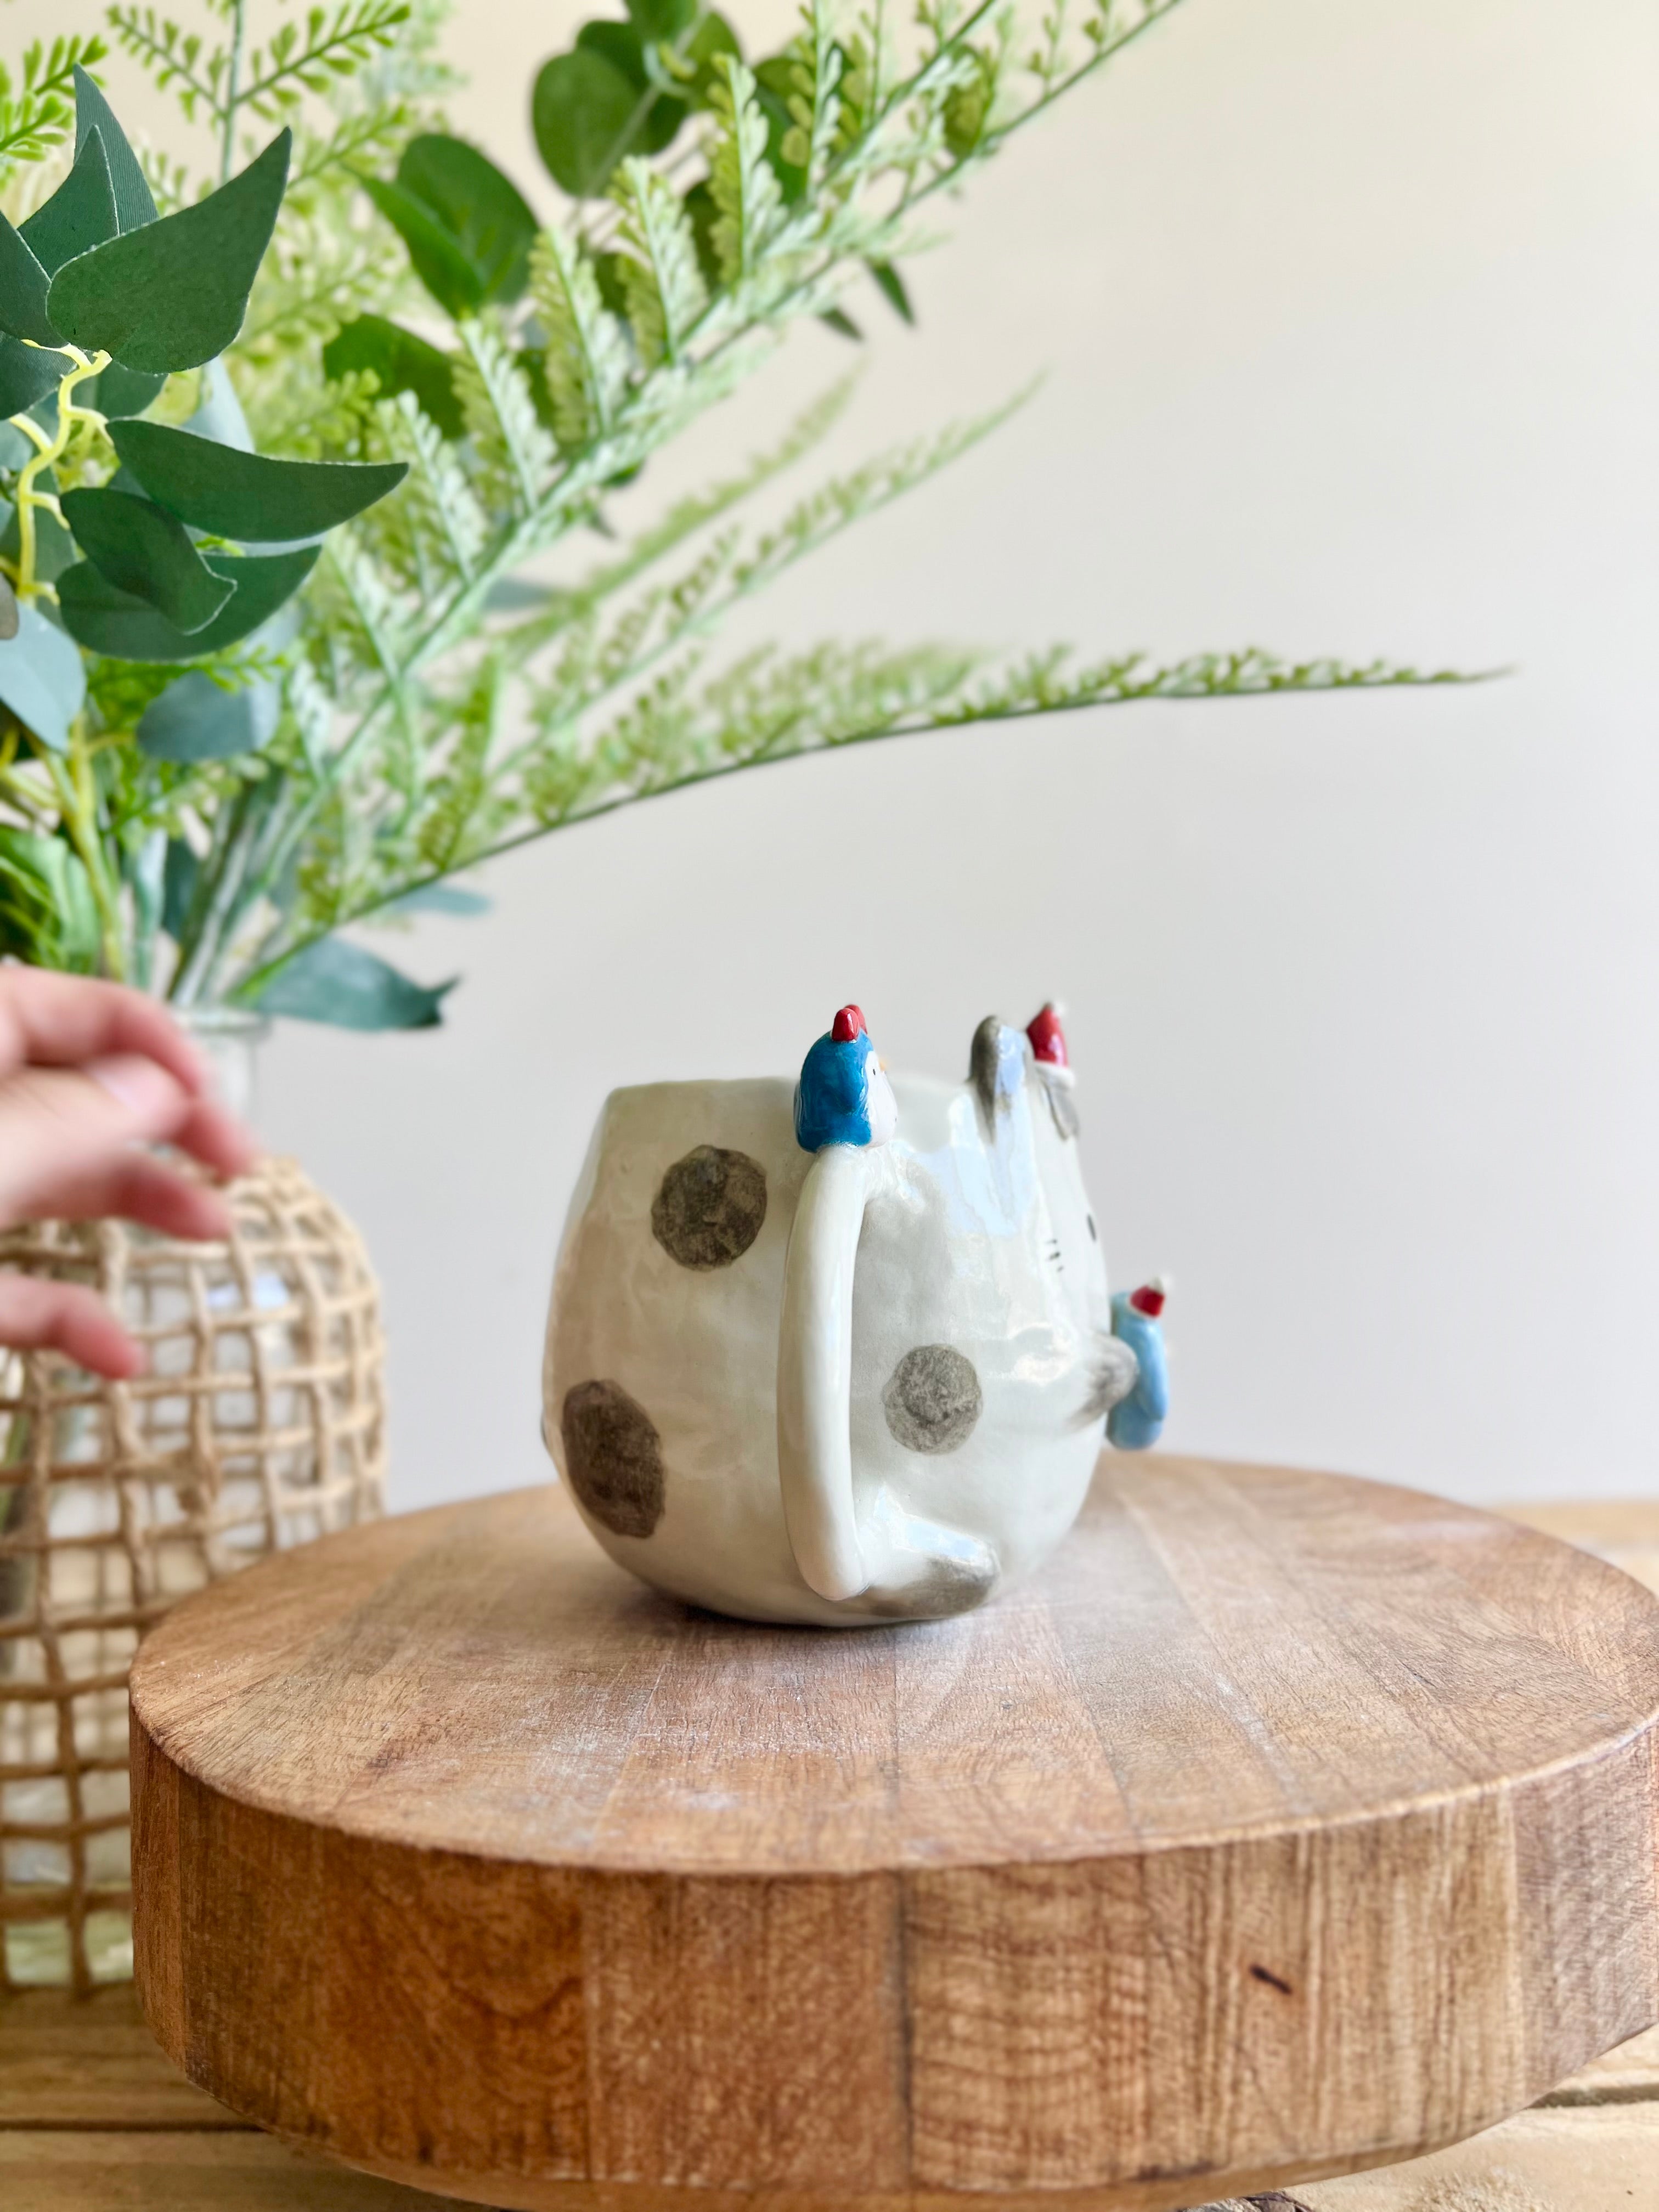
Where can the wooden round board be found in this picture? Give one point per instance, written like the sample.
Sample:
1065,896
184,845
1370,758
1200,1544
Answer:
1285,1824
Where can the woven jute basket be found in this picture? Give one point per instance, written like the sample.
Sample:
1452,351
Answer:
259,1425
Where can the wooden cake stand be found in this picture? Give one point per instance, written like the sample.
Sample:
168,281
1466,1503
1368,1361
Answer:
1287,1824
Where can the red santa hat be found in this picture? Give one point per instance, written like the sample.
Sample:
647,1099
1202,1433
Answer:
1047,1039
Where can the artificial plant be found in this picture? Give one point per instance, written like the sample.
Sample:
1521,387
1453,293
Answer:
439,698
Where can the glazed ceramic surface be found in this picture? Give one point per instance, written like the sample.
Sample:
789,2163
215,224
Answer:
861,1382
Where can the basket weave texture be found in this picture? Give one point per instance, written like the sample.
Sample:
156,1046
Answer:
259,1423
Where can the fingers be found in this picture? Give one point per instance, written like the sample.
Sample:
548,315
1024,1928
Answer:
37,1316
63,1021
215,1138
136,1187
59,1126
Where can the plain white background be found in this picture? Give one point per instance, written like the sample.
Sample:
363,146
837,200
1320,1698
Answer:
1348,317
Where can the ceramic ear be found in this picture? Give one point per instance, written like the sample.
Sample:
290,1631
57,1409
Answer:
996,1067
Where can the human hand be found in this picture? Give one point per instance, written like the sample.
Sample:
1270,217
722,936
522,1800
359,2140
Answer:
89,1074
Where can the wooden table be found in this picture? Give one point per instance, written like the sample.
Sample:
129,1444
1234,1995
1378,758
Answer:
93,2118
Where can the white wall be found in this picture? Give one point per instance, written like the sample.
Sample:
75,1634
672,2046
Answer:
1348,314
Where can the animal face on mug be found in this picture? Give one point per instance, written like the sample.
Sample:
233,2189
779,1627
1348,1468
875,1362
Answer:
841,1351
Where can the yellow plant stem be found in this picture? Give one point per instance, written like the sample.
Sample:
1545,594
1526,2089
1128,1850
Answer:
48,451
71,774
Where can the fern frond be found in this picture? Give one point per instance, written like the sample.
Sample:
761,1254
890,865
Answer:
438,490
743,183
587,360
661,280
37,109
500,411
314,59
174,60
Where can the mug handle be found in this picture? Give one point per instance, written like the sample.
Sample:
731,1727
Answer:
814,1369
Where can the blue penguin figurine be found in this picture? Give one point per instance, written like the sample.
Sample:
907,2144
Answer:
1136,1422
843,1097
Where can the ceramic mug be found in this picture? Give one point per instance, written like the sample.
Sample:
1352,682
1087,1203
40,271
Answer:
841,1351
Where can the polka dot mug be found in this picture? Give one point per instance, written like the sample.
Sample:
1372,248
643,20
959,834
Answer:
840,1352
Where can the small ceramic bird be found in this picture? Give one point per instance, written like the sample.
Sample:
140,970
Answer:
1136,1422
843,1097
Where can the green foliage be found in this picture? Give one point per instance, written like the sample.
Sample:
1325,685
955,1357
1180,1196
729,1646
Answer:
244,495
171,294
141,549
37,104
425,407
398,360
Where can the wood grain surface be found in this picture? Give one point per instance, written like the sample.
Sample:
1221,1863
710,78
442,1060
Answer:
1287,1824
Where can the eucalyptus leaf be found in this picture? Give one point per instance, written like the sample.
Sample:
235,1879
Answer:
401,363
27,374
661,21
135,204
116,623
484,211
619,45
342,984
438,258
196,720
142,549
42,680
248,496
24,285
81,213
172,294
48,915
580,113
119,391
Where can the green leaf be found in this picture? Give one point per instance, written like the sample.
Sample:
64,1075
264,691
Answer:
119,391
440,898
172,294
24,285
402,362
135,205
143,549
8,611
81,213
713,38
838,320
26,375
619,45
48,915
248,496
662,21
42,680
179,878
580,112
114,623
484,211
438,261
892,287
340,983
197,720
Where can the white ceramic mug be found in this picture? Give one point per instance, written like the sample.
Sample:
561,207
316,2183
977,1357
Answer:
860,1383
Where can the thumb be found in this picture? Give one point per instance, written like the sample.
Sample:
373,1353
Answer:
59,1125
